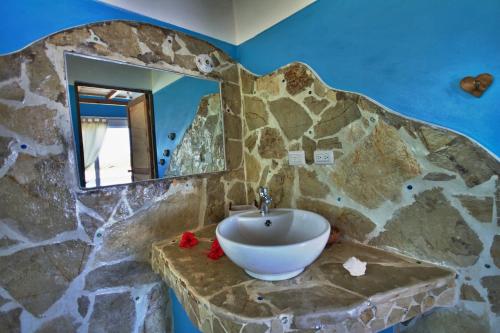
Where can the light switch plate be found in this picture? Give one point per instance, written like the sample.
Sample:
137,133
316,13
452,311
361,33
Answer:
323,157
296,157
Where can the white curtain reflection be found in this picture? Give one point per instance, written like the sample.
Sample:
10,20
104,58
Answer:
93,132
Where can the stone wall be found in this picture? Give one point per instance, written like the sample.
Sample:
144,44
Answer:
396,183
75,260
201,149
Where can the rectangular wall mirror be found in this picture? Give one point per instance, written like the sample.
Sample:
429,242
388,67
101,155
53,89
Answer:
133,123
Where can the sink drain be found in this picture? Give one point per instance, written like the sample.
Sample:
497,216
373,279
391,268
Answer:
268,223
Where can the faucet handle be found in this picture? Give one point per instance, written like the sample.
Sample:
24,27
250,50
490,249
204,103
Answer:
263,191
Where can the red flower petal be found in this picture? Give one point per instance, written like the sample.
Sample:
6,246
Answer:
188,240
215,251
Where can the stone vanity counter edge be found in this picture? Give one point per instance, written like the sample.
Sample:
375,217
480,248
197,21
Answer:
219,297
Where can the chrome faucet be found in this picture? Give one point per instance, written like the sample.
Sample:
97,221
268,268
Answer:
265,200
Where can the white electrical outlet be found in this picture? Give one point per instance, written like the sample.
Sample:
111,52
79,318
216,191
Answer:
323,157
296,157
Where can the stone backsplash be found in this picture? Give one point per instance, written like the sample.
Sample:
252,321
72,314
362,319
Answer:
77,260
396,183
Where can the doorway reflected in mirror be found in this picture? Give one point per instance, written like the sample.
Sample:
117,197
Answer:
135,123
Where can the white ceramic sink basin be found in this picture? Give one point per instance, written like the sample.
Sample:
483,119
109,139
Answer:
277,246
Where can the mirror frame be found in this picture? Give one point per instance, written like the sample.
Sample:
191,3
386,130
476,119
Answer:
79,166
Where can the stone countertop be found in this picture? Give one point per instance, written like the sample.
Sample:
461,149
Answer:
219,297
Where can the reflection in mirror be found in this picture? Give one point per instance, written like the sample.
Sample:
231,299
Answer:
134,123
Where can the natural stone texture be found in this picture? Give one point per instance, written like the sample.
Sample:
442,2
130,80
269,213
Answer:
434,138
431,228
336,117
215,210
70,37
42,76
125,273
271,143
6,242
438,176
492,283
247,81
231,98
450,320
280,187
237,193
103,202
12,91
310,186
3,301
372,178
253,168
119,37
230,74
10,322
469,293
263,177
157,314
321,296
251,141
255,328
297,78
375,280
474,165
143,195
37,195
196,46
324,292
90,224
495,250
113,313
395,316
133,237
155,38
201,148
330,143
308,146
62,324
234,154
4,149
315,105
292,118
255,113
51,266
186,61
232,126
268,85
350,222
10,67
480,208
41,118
83,305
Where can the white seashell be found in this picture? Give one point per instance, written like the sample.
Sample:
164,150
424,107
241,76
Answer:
355,266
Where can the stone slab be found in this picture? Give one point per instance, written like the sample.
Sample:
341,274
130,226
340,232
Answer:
324,294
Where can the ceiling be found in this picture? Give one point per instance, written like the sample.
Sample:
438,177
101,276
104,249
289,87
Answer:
233,21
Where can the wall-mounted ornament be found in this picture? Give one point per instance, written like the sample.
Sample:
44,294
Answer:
476,85
204,63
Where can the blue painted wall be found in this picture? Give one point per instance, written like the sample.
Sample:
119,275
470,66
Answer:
181,321
175,107
30,20
409,56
